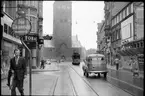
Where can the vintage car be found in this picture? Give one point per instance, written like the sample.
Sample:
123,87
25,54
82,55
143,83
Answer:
95,63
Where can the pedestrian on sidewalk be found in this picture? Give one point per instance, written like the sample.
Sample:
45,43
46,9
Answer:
42,64
134,65
116,61
18,68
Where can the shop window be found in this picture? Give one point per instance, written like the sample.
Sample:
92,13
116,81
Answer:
10,31
5,28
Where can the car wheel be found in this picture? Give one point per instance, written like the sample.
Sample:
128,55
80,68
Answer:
105,75
98,74
84,73
87,74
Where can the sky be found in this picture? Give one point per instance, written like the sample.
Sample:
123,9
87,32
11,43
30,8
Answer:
85,16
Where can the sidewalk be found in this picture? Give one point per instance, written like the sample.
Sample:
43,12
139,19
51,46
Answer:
125,80
52,67
38,88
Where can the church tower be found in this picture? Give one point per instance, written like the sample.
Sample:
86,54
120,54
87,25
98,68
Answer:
62,28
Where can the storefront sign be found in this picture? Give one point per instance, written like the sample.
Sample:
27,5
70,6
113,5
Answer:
21,26
30,38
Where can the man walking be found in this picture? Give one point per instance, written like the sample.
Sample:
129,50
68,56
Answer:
42,64
117,63
18,68
135,67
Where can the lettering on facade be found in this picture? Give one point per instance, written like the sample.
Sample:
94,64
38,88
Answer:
21,26
30,38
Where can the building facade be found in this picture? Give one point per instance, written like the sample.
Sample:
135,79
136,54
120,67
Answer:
62,28
10,40
101,39
124,32
125,24
34,11
49,49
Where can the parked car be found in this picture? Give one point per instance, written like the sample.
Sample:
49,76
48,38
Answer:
95,63
47,61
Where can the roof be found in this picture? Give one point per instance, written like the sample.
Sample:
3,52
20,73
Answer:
95,55
48,44
75,42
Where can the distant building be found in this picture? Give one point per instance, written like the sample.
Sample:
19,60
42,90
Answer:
101,39
50,52
124,30
62,43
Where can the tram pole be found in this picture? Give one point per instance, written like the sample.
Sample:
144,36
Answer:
30,67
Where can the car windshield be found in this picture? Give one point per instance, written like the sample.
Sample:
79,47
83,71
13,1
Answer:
97,60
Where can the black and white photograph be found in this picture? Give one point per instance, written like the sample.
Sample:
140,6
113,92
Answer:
72,48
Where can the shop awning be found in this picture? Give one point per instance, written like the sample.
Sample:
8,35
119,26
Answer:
131,51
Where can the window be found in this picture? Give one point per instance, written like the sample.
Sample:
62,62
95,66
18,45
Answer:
5,28
118,34
112,22
126,31
120,15
117,18
9,30
127,11
113,36
132,8
123,14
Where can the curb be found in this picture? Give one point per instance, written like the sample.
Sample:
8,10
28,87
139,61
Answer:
120,84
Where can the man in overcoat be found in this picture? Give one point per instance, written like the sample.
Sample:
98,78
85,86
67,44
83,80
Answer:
18,68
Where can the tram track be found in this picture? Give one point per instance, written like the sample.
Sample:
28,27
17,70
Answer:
72,85
87,83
